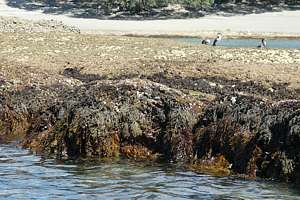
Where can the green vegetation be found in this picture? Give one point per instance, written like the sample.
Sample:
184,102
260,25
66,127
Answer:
136,6
163,7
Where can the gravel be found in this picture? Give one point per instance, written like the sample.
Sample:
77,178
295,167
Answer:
13,24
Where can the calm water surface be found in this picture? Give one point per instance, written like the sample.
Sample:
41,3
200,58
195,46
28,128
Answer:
27,176
271,43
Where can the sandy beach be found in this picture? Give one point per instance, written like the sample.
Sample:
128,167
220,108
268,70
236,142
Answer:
272,24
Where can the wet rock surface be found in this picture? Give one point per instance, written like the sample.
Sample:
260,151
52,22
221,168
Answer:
244,131
256,137
96,119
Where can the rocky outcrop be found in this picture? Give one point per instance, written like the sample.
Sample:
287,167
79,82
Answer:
209,126
100,118
258,138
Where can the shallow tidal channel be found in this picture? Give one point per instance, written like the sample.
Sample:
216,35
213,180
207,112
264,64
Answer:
247,43
24,175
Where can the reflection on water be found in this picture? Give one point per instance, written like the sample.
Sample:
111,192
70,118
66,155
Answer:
271,43
27,176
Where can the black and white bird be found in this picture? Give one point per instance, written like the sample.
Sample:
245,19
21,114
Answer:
218,39
263,43
206,41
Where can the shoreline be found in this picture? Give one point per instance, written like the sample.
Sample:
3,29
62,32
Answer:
238,26
212,34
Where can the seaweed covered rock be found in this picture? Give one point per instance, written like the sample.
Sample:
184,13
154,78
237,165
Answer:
234,133
215,165
12,124
106,118
259,138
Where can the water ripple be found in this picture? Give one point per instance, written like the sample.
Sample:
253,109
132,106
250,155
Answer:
27,176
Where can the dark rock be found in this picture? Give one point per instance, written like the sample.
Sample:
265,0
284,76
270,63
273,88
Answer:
253,137
97,119
241,131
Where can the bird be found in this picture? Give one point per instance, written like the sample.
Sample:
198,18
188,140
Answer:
263,43
206,41
218,38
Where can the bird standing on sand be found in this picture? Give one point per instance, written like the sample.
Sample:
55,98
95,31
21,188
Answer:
218,38
263,43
